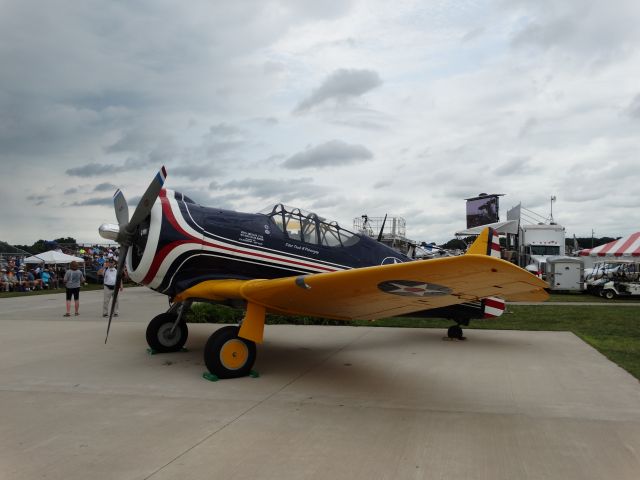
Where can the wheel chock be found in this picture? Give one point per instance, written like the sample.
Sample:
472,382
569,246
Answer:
210,376
254,374
151,351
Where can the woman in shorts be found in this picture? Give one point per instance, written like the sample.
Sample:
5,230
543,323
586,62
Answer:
72,280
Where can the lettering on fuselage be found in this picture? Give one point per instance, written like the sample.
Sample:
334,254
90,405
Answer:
252,238
301,248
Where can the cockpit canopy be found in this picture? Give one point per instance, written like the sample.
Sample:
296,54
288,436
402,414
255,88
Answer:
307,227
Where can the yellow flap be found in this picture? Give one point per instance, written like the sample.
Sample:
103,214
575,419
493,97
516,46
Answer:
382,291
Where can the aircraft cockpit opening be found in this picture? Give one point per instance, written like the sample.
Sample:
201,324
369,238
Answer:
307,227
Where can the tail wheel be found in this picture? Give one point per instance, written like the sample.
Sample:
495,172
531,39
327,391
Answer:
162,337
228,356
455,331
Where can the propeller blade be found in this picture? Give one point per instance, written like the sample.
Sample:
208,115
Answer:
148,199
382,228
124,249
122,210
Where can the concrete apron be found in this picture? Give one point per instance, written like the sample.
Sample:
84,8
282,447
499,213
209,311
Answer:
331,402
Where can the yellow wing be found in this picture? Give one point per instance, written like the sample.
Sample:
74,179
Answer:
381,291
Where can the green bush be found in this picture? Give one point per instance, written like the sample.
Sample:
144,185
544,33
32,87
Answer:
209,313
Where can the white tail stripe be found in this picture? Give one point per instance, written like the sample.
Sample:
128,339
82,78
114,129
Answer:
495,246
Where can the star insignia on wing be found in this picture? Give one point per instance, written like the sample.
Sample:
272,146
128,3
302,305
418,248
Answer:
411,288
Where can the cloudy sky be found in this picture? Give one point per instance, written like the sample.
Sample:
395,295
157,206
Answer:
340,107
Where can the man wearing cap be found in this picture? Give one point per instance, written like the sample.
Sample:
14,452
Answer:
110,274
22,285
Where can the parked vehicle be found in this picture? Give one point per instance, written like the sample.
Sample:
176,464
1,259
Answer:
539,242
598,278
613,289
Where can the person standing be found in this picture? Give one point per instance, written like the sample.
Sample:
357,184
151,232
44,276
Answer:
110,277
73,278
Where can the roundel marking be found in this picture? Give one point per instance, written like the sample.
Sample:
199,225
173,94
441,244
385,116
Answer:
411,288
390,261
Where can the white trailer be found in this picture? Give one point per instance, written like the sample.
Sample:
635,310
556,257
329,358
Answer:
565,273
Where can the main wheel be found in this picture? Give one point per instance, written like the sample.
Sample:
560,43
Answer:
609,294
455,331
228,356
160,337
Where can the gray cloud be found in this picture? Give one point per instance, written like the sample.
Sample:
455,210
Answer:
383,184
633,110
332,153
70,191
583,32
193,171
514,166
105,187
272,68
93,170
277,189
136,140
222,139
341,85
527,127
38,199
94,201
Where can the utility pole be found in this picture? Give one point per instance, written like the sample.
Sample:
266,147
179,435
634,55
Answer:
592,233
553,199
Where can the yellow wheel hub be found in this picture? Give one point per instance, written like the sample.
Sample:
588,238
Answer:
234,354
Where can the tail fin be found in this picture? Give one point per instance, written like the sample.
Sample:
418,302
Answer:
487,243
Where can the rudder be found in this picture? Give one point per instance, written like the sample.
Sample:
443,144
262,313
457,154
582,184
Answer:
487,243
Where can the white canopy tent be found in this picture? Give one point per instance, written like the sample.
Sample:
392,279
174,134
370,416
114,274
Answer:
53,257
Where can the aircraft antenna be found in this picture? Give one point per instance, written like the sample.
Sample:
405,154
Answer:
382,228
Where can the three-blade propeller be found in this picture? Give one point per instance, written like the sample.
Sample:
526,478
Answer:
128,227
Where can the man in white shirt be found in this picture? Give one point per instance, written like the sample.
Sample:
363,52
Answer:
110,273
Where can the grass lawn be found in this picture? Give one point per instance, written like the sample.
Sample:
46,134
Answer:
585,297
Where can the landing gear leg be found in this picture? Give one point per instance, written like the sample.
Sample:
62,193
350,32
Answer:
455,332
168,331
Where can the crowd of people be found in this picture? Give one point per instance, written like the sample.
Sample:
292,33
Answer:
16,276
95,256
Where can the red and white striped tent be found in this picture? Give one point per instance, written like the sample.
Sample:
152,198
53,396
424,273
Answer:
626,247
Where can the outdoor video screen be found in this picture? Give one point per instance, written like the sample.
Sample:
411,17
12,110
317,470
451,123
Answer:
481,211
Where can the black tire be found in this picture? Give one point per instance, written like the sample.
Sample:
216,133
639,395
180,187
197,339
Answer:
455,331
609,294
228,356
160,338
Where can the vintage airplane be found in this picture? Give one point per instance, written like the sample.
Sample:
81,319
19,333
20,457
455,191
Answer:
291,262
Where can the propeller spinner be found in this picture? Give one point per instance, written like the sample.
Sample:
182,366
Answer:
124,232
